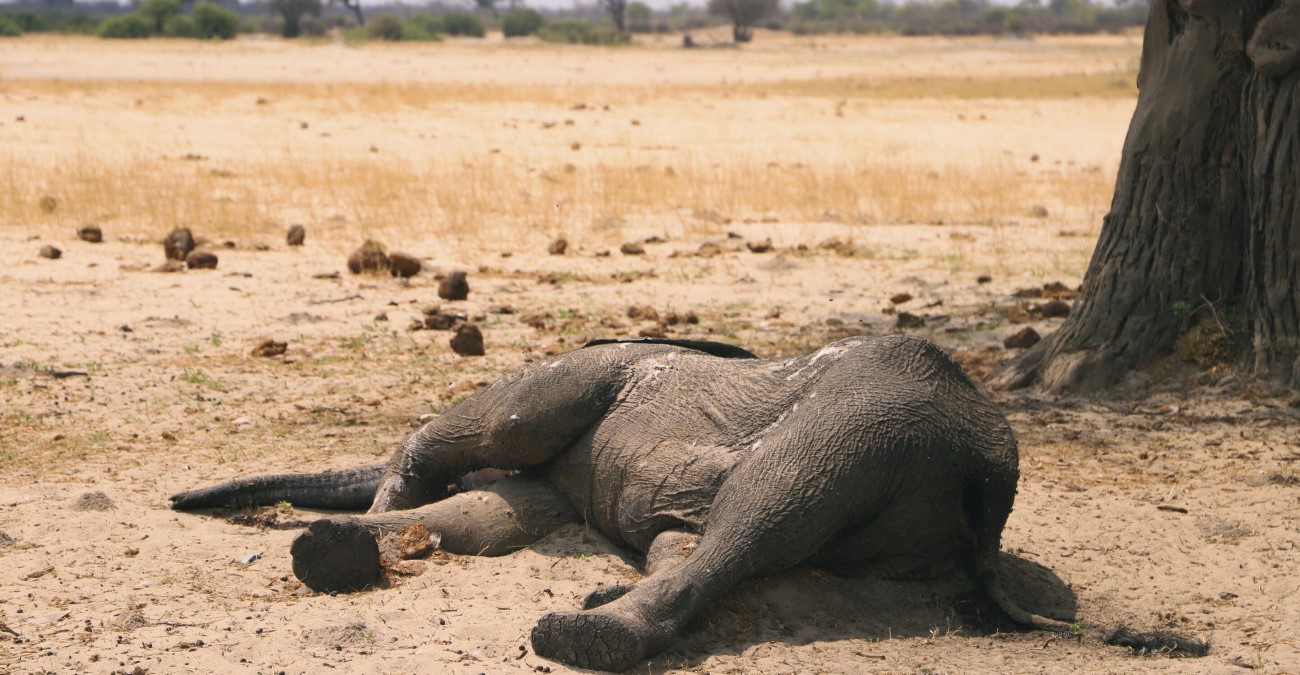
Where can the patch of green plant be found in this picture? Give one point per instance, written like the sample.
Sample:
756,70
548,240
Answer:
579,32
198,377
463,24
215,339
214,22
9,28
126,27
520,22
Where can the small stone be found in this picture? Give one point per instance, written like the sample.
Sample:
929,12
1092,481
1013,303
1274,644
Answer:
468,340
296,236
403,264
51,252
48,203
760,246
382,316
1028,293
632,248
90,233
439,321
370,258
269,348
201,260
984,279
558,247
642,312
1055,309
454,286
1039,211
900,298
178,243
708,249
1023,339
909,320
5,539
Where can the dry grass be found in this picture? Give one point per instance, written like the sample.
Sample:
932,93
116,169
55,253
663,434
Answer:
504,158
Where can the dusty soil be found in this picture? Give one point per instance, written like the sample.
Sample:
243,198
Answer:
121,384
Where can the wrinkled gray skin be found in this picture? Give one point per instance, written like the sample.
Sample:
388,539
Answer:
872,456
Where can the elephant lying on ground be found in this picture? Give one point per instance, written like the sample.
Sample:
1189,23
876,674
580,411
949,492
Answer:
873,455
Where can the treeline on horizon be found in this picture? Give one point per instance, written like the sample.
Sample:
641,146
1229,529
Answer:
605,22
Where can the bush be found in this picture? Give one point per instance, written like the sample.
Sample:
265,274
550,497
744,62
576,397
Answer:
126,27
579,32
520,21
27,21
9,28
460,23
385,27
431,24
157,12
179,27
214,22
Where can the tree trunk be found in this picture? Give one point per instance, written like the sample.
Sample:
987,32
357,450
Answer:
1203,235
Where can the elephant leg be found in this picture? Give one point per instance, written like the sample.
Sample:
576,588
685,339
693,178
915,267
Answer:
522,420
669,549
773,511
342,553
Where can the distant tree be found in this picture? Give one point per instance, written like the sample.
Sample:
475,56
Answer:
157,12
214,22
293,11
488,6
617,10
638,16
743,14
355,6
520,21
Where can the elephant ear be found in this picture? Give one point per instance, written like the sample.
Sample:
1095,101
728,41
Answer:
720,349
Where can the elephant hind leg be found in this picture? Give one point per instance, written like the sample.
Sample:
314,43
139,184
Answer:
669,549
342,553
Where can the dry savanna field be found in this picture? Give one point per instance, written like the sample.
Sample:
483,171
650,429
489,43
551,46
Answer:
784,194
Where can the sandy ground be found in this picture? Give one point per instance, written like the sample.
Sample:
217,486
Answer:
120,385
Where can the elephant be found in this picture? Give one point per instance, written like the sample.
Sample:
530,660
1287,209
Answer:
871,456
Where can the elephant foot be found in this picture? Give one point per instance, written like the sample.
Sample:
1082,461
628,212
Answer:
605,595
336,555
593,640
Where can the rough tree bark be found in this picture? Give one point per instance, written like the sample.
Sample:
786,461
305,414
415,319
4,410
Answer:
1204,225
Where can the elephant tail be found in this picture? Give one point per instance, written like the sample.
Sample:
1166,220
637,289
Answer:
345,490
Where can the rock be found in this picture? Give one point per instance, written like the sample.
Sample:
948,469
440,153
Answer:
296,236
691,318
439,321
51,252
93,501
415,541
370,258
269,348
900,298
1022,339
454,286
760,246
910,320
984,279
5,540
708,249
90,233
178,243
403,264
382,316
601,254
1055,309
632,248
468,340
644,312
1039,211
201,260
558,247
1028,293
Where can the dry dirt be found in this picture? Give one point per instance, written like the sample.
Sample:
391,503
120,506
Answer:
120,385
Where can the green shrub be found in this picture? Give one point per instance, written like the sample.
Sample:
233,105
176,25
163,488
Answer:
214,22
157,12
27,21
385,27
179,26
126,27
520,21
460,23
9,28
579,32
429,23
